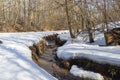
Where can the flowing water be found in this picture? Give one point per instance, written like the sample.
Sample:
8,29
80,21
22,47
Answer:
47,61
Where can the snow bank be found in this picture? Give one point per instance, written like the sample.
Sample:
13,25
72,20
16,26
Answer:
85,74
15,56
109,55
80,48
111,25
64,36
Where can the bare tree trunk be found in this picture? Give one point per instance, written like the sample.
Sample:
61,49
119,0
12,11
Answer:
68,19
105,16
25,20
88,23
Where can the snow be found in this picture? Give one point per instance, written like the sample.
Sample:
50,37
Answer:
15,56
97,51
65,36
111,25
85,74
109,55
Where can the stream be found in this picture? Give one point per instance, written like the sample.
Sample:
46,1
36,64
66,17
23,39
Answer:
48,62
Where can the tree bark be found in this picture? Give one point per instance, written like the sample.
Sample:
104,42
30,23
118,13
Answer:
68,19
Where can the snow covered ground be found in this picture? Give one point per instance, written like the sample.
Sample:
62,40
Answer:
85,74
15,56
80,48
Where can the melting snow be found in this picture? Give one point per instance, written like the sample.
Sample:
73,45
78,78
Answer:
85,74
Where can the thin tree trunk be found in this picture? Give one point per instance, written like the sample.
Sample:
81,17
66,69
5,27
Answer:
68,20
105,16
88,23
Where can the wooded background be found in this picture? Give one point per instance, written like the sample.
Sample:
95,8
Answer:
42,15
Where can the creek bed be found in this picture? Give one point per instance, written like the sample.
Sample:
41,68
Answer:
45,57
48,62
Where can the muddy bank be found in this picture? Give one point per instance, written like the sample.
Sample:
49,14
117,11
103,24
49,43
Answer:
40,48
56,39
109,72
60,42
37,50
